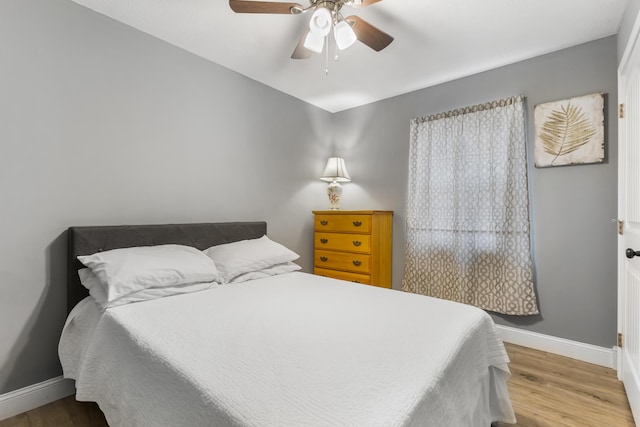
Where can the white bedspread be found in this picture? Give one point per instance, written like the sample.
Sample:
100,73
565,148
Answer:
289,350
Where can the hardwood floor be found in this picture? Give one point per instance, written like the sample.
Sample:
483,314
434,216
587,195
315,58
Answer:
66,412
549,390
546,390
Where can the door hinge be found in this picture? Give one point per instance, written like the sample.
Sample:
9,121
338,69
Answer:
621,111
620,227
619,340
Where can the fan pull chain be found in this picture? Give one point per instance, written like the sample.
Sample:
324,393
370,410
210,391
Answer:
326,42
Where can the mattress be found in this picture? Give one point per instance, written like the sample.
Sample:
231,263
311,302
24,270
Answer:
289,350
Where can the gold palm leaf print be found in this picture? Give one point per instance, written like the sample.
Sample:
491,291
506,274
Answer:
565,131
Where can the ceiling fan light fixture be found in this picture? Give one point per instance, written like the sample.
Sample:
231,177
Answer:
314,42
320,22
325,16
344,35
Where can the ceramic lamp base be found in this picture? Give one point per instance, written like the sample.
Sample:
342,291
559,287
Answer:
334,191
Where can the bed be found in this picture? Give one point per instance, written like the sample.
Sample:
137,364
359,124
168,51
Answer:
290,349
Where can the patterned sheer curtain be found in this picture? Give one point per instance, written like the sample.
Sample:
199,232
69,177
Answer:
468,208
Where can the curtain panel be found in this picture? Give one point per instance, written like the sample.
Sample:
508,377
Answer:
467,224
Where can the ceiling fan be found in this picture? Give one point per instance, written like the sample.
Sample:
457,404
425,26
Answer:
326,15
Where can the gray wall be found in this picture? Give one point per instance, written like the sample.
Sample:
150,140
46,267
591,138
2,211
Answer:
628,21
574,239
102,124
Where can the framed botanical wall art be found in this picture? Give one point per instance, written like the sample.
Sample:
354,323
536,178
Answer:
570,132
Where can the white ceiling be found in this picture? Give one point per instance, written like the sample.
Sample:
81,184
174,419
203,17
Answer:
435,41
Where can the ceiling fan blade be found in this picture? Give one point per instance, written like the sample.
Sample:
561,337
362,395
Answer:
246,6
368,34
364,3
301,52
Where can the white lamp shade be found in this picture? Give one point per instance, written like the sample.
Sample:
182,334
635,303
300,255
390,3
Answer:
320,22
314,42
336,170
345,37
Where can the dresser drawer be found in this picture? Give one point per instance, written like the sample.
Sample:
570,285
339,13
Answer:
343,242
357,263
346,223
344,275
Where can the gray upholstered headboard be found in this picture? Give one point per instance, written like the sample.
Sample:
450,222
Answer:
89,240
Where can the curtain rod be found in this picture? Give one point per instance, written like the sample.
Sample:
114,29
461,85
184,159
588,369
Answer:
473,109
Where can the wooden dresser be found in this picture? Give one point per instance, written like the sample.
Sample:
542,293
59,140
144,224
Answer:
354,246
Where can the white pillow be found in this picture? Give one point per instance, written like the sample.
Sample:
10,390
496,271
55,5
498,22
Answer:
286,267
122,271
99,295
234,259
88,279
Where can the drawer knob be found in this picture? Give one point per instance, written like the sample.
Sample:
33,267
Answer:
324,241
324,222
324,259
357,243
357,263
357,223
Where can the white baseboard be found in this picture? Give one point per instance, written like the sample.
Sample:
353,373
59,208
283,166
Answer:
576,350
34,396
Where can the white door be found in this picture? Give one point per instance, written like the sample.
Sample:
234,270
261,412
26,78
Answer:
629,213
